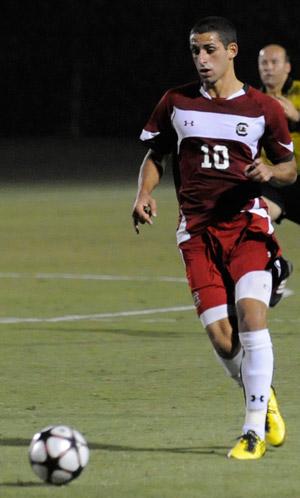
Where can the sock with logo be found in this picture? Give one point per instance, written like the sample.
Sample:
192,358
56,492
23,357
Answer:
257,372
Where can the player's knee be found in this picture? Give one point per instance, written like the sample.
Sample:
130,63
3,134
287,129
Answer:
252,295
252,314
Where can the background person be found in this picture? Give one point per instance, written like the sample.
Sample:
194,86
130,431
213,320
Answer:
274,69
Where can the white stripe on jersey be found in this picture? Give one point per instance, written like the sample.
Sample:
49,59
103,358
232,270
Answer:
219,126
148,135
289,146
203,125
182,234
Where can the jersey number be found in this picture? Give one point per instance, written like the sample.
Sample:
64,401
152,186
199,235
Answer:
220,157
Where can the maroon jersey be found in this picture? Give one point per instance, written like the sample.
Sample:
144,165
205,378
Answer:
213,140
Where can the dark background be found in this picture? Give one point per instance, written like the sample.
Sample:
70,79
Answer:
77,75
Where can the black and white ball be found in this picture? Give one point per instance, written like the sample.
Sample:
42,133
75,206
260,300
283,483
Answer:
58,454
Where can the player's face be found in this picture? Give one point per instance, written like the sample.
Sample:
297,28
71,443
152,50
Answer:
211,58
273,67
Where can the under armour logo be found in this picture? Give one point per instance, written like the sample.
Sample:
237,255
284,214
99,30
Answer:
189,123
254,398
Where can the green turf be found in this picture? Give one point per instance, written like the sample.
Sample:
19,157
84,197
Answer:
156,409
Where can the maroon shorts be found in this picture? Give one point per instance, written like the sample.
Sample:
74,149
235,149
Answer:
218,258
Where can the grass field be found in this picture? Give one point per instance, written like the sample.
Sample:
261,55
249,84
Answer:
87,340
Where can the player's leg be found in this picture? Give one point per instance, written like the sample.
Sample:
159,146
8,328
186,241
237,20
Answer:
281,270
282,203
252,298
212,304
231,365
211,301
257,363
252,295
274,200
275,211
223,335
231,361
257,368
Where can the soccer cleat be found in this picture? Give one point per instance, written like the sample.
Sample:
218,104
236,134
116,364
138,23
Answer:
248,447
281,270
275,426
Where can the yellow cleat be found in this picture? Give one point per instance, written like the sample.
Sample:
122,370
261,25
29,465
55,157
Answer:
249,447
275,426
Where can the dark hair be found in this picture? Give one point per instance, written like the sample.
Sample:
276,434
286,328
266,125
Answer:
220,25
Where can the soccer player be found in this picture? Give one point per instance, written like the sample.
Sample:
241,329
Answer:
216,128
274,69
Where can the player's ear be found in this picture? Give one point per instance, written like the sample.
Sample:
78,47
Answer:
232,50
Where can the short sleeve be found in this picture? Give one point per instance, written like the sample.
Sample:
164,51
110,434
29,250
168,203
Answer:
158,133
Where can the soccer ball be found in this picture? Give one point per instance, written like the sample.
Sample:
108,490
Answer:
58,454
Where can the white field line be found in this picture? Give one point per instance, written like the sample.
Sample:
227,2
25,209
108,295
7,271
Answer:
97,316
87,276
117,314
102,316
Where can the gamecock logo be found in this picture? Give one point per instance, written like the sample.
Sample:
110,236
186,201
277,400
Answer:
241,129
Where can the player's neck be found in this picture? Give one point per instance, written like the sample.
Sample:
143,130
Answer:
275,91
223,88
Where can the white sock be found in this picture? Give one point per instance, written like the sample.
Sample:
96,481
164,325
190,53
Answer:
232,366
257,372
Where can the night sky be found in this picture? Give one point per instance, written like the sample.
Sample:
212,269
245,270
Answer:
96,67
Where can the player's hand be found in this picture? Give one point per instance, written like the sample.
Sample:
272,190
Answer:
258,171
289,109
143,210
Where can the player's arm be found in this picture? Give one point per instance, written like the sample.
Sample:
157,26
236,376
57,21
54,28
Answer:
278,146
278,175
290,111
149,177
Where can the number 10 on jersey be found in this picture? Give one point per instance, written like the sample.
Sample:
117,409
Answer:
219,158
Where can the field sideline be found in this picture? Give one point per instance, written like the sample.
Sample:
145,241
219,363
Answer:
98,332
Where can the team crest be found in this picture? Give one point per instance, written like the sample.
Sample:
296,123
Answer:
241,129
